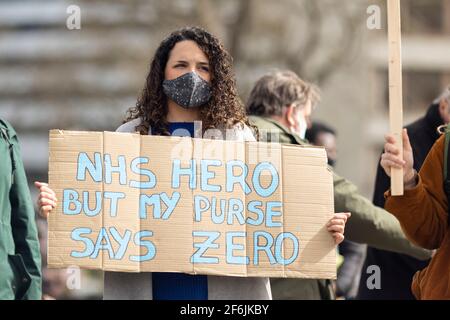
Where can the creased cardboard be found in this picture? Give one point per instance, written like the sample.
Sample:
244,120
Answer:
135,203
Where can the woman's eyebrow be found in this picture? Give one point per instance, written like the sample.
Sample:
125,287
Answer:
203,63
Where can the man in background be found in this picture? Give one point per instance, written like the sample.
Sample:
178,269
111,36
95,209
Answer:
280,105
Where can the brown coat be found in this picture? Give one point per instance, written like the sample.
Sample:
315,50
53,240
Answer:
423,215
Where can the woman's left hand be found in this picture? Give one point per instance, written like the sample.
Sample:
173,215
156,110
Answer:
336,226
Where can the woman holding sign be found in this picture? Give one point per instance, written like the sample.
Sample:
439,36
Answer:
191,79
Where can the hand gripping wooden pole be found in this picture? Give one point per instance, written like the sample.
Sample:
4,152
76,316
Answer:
395,88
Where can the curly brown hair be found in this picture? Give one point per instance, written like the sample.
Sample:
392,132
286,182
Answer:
223,110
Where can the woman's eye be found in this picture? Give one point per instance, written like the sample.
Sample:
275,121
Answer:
206,69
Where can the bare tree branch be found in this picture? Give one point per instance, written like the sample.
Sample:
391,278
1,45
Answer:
342,53
238,27
207,17
297,61
206,13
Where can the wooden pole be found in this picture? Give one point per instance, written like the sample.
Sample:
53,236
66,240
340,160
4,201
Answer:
395,88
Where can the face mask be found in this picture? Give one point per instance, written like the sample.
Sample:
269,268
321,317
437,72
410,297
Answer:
302,127
188,90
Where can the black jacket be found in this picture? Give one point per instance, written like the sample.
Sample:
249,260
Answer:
396,269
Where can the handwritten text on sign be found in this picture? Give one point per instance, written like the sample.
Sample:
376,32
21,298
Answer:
134,203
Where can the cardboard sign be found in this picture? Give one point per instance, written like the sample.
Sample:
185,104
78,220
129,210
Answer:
137,203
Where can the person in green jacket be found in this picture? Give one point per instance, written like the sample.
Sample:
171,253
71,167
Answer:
20,258
280,105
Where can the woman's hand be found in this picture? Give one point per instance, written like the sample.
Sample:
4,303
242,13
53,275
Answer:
391,159
47,200
336,226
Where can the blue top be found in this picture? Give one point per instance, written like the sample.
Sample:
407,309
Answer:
179,286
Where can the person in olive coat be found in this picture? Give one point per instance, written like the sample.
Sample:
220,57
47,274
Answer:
20,258
280,105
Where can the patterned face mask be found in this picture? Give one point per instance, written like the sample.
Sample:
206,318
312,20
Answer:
188,90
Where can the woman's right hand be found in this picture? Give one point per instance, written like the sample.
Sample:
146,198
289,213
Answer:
47,200
391,158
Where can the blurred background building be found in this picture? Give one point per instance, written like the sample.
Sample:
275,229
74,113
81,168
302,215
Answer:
53,77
